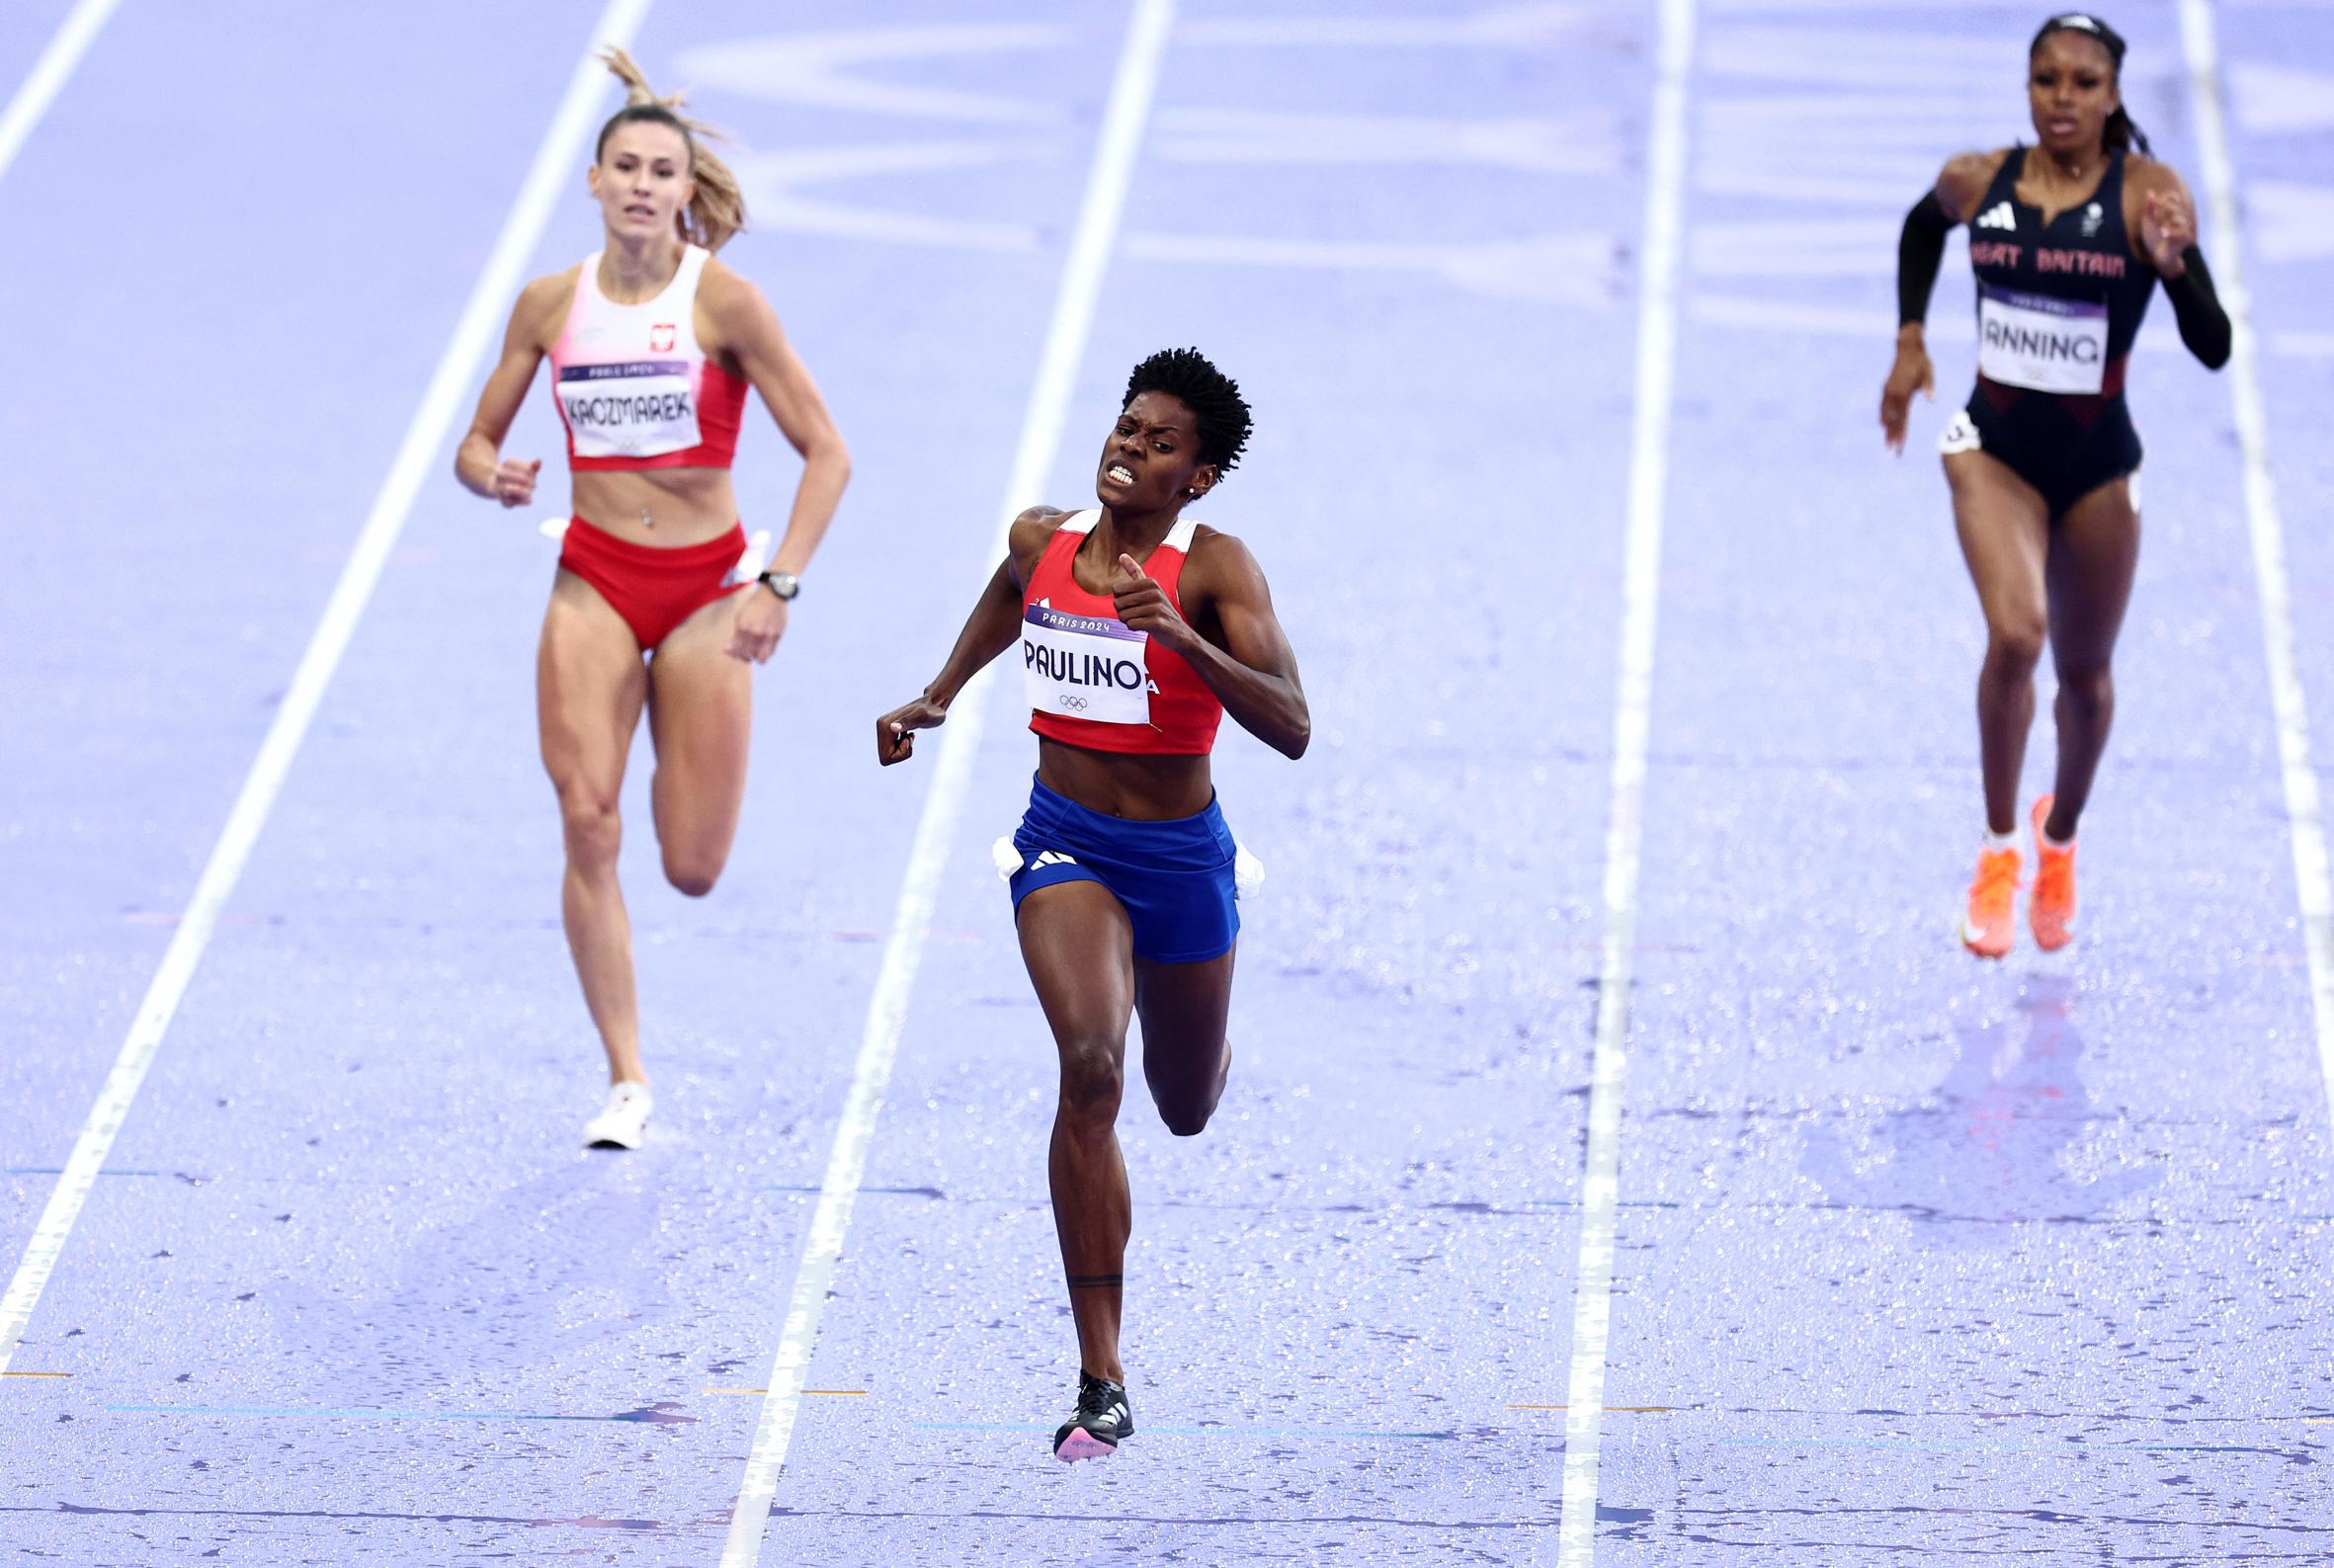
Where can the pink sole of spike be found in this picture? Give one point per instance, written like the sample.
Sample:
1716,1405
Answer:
1083,1444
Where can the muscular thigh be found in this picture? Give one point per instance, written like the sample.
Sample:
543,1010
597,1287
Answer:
2005,533
2094,557
1079,948
701,718
588,689
1184,1007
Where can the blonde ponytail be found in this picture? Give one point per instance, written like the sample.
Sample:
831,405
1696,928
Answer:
718,209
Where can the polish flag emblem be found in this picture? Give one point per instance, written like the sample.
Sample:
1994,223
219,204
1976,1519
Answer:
660,338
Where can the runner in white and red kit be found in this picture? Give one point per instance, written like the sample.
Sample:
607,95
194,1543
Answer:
1139,629
653,344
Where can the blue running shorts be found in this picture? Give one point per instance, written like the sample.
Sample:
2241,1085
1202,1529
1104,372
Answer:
1174,877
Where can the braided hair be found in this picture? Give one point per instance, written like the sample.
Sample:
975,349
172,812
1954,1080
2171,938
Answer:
2120,133
1213,398
718,208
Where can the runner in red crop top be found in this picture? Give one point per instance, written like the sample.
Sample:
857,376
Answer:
1139,629
654,342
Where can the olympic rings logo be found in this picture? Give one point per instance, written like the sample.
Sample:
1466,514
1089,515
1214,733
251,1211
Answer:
1068,701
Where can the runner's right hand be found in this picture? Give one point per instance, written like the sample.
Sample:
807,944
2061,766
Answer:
895,731
1911,373
513,482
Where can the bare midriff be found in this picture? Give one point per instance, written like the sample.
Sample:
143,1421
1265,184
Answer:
658,508
1135,785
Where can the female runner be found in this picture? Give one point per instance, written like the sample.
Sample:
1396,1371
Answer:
1139,629
2067,239
652,344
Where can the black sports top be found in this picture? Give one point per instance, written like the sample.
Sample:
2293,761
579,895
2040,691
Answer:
2057,303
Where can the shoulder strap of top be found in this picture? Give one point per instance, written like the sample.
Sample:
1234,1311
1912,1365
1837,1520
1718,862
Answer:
586,282
690,273
1179,537
1079,523
2005,185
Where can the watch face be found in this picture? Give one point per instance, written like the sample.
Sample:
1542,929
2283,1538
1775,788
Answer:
784,584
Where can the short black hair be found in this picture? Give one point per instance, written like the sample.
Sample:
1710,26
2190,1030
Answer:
1213,398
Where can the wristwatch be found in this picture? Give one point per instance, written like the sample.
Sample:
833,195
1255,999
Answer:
784,584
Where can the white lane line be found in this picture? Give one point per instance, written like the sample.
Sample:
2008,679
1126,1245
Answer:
1042,430
1600,1191
2304,807
480,325
48,76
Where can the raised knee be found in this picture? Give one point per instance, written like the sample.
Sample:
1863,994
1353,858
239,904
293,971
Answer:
693,878
1093,1077
1187,1120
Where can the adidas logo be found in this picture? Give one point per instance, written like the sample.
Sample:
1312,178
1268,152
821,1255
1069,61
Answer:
1999,215
1053,858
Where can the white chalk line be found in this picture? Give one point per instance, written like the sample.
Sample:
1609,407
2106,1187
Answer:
2305,810
1600,1195
48,75
417,458
1042,425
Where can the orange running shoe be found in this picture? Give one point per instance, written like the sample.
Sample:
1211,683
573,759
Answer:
1989,925
2051,907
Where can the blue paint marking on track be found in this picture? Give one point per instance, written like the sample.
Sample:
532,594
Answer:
58,1170
661,1414
2065,1210
889,1192
2070,1450
1149,1431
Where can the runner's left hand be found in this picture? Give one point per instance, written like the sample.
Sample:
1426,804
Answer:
2166,229
760,622
1142,604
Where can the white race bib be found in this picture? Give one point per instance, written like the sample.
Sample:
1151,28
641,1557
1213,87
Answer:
2040,343
1084,667
643,408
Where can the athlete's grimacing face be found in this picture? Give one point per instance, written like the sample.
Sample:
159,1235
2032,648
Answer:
2070,87
1152,457
642,178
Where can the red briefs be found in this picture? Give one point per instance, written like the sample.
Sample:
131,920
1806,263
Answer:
654,590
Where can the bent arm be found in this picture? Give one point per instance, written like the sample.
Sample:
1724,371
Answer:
988,632
748,327
2165,235
1920,250
2204,322
1920,246
995,621
481,452
1254,670
991,628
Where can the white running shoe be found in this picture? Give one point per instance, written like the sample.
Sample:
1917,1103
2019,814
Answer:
624,1122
